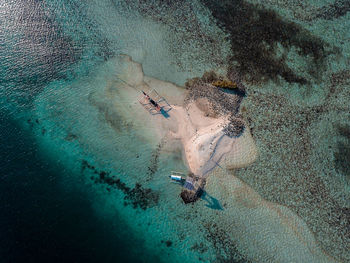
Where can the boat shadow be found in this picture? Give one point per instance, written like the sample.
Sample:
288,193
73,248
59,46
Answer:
165,113
212,202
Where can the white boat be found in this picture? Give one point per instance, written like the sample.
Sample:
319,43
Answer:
176,176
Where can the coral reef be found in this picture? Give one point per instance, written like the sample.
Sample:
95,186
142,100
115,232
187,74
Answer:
110,114
225,248
342,155
153,167
261,42
333,10
210,86
287,173
138,196
168,243
221,102
201,248
189,196
235,127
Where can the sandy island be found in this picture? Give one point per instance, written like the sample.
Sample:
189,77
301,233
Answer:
211,136
192,120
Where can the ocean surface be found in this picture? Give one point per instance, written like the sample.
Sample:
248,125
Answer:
82,181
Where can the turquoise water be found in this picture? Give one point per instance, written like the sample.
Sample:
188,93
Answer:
82,180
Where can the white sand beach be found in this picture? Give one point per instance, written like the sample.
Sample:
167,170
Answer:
200,132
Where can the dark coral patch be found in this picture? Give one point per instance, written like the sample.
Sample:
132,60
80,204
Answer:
342,155
235,127
344,131
138,197
168,243
201,248
261,40
334,10
153,167
71,137
225,248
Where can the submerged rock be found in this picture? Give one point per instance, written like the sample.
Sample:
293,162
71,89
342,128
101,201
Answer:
188,196
194,192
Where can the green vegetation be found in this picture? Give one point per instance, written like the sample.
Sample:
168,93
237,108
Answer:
225,84
210,77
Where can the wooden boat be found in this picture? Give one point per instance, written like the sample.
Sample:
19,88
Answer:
154,103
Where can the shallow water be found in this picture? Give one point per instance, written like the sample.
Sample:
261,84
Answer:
82,180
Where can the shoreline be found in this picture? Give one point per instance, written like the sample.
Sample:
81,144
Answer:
200,124
241,203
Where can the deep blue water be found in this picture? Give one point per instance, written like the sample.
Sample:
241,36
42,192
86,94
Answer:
42,222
